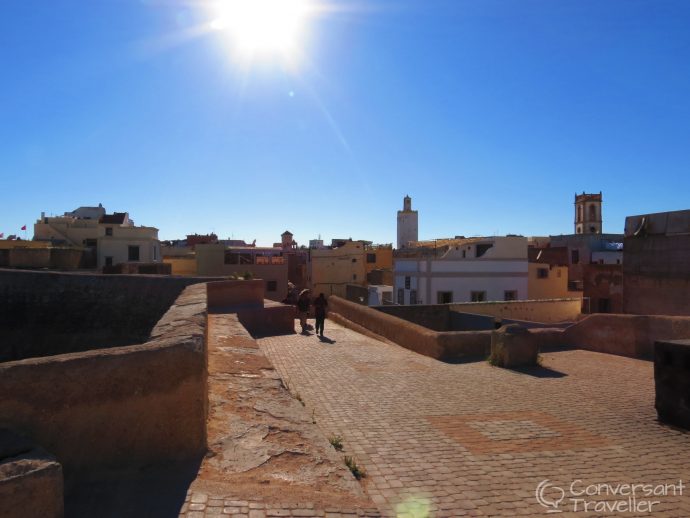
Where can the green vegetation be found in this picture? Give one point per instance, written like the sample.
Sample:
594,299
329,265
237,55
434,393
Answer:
356,470
494,360
337,442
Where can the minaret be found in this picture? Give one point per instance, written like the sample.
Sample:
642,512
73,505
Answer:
588,213
408,229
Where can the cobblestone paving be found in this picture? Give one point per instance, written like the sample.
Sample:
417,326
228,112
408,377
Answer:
200,505
476,440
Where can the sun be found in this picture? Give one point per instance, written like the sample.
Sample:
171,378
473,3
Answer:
263,27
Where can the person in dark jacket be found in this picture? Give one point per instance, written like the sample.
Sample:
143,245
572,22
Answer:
303,303
320,307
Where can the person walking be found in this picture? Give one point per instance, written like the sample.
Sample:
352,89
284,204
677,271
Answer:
303,309
320,306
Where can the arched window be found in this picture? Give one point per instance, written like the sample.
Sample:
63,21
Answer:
579,213
592,213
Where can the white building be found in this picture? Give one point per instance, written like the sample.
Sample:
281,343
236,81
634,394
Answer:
462,270
408,224
113,238
379,295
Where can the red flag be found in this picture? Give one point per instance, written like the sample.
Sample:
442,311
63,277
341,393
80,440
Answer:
24,227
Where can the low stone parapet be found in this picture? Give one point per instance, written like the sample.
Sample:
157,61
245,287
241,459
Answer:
672,382
30,479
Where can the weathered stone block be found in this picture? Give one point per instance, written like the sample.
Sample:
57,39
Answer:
513,346
30,479
672,381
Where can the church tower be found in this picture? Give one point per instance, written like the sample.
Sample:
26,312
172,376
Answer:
588,213
407,224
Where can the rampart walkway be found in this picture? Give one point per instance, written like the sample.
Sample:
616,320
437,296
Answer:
475,440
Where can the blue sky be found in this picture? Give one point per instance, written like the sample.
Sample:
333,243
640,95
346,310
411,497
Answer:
491,114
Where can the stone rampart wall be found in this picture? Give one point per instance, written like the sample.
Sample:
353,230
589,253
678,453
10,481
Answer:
125,406
626,335
545,311
446,346
47,313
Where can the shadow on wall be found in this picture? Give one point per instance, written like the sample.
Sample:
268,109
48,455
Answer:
48,313
246,298
119,410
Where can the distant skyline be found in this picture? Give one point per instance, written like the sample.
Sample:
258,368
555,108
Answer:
490,114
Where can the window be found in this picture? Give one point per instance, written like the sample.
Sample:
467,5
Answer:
464,255
401,296
108,231
481,249
354,276
155,253
510,295
108,261
413,296
354,260
133,253
238,258
407,283
371,258
542,273
444,297
592,213
604,305
478,296
574,256
271,285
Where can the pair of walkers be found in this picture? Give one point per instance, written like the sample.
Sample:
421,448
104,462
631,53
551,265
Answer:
320,307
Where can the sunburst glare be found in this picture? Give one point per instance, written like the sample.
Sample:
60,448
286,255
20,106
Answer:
263,28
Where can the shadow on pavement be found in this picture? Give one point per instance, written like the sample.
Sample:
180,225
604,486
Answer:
157,492
538,371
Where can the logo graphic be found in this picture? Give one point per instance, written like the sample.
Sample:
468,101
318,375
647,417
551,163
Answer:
547,501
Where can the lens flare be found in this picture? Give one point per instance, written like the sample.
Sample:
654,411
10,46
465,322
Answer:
263,27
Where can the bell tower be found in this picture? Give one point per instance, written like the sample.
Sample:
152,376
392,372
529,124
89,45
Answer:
588,213
407,224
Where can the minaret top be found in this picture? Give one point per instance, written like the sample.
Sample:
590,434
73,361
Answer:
407,204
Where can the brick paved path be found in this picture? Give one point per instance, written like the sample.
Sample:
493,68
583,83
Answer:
476,440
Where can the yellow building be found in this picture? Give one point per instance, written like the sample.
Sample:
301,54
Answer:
112,238
548,274
332,269
266,263
379,257
182,259
547,282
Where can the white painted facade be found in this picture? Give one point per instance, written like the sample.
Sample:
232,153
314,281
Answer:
408,224
480,269
378,292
